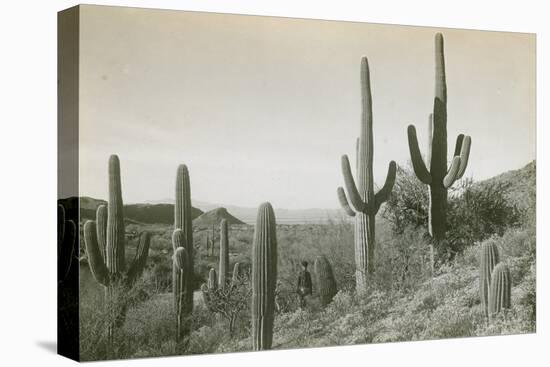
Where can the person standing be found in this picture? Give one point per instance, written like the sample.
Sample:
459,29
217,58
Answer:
304,287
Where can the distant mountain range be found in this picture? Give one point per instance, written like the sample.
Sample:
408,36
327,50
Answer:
284,216
519,186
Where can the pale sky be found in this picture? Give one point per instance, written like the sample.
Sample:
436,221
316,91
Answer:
262,108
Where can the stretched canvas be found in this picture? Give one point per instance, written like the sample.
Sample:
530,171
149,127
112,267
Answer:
243,183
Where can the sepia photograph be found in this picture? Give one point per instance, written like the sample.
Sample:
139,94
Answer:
234,183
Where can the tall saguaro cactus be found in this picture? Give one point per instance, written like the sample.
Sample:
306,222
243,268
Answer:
105,246
264,277
224,253
500,291
326,283
489,258
183,264
439,178
364,202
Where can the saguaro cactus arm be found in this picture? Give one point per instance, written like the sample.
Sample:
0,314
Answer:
95,260
354,196
101,225
344,202
419,166
384,193
140,259
452,173
464,155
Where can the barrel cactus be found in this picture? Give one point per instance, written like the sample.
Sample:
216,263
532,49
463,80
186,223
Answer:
224,253
489,258
264,277
105,247
439,177
500,291
326,283
182,269
364,202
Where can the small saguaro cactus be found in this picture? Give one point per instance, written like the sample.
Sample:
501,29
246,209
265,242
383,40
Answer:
264,277
500,291
236,274
181,276
212,280
105,246
182,238
224,253
364,202
489,258
439,178
326,283
66,240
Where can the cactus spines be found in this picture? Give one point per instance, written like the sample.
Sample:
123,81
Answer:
105,246
182,243
489,258
212,280
364,202
224,253
500,291
264,277
439,178
181,276
326,283
66,240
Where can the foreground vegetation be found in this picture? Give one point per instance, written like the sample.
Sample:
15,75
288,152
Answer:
404,302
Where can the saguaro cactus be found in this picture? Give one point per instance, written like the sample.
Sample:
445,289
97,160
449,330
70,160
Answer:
182,238
224,253
489,258
439,178
181,276
264,277
212,280
326,283
364,201
500,291
66,238
236,274
105,246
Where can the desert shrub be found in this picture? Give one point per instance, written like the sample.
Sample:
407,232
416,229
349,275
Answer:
407,206
477,211
402,259
230,301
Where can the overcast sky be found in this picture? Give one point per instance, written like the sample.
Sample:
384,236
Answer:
261,108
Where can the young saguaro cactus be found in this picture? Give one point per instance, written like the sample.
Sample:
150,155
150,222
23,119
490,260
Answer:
489,258
212,280
326,283
500,291
364,202
182,238
264,277
439,178
105,246
236,274
224,253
